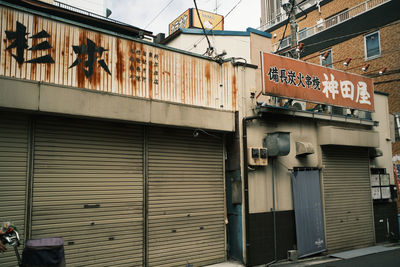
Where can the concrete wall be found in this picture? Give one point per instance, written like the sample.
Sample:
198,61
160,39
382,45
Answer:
258,44
385,142
43,97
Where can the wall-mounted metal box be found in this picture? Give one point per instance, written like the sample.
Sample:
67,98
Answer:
277,143
257,156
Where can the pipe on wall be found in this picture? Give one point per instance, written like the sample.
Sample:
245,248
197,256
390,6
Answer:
246,180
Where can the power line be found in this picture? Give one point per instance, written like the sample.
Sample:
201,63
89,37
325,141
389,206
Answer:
196,43
159,13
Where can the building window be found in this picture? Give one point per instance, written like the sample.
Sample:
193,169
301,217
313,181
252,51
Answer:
302,34
273,11
372,45
328,61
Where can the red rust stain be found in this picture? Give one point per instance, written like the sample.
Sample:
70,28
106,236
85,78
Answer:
150,80
80,74
95,79
183,79
34,42
11,21
234,91
51,40
120,65
64,54
208,83
192,81
132,71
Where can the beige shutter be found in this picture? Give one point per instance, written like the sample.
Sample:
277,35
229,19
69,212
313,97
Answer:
88,189
347,198
186,198
13,176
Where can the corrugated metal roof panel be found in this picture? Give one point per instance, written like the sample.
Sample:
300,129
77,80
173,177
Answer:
40,49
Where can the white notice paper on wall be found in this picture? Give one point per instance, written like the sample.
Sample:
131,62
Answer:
385,192
376,192
375,180
385,179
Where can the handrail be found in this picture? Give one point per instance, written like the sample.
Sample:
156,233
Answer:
87,13
282,16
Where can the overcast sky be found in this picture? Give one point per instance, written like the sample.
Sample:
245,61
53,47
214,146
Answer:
140,13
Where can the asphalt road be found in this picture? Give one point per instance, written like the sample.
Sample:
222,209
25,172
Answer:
383,259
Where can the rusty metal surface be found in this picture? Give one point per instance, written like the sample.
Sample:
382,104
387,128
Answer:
87,59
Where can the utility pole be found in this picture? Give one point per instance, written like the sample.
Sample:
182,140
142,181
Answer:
290,8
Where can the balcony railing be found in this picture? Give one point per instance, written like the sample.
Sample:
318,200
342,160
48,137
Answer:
87,13
335,20
282,16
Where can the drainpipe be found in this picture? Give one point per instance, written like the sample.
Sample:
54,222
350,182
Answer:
246,181
274,212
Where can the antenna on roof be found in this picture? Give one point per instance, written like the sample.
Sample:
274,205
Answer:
108,12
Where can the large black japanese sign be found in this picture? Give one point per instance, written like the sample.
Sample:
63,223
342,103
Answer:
19,43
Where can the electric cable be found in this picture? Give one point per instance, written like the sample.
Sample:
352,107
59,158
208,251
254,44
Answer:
190,48
159,13
210,48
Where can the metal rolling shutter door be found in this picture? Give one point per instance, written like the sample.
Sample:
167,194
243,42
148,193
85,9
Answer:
186,199
88,189
347,197
13,176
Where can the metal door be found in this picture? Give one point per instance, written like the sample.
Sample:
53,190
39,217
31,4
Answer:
308,212
347,198
186,198
14,132
88,189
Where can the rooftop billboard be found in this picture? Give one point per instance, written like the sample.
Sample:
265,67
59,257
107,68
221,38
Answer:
190,19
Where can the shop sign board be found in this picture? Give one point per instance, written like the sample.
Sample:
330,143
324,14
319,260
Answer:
295,79
211,21
180,22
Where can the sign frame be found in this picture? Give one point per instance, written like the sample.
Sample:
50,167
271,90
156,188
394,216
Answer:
348,90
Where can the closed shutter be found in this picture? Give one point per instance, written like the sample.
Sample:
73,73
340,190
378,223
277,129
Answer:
13,176
186,198
88,189
347,197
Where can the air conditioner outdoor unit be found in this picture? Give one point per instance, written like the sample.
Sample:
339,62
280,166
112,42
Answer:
364,115
337,110
299,105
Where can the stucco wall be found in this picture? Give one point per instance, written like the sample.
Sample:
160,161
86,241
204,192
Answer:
235,46
385,142
43,97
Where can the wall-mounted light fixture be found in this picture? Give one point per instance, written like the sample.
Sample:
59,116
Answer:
366,66
347,61
325,55
382,71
